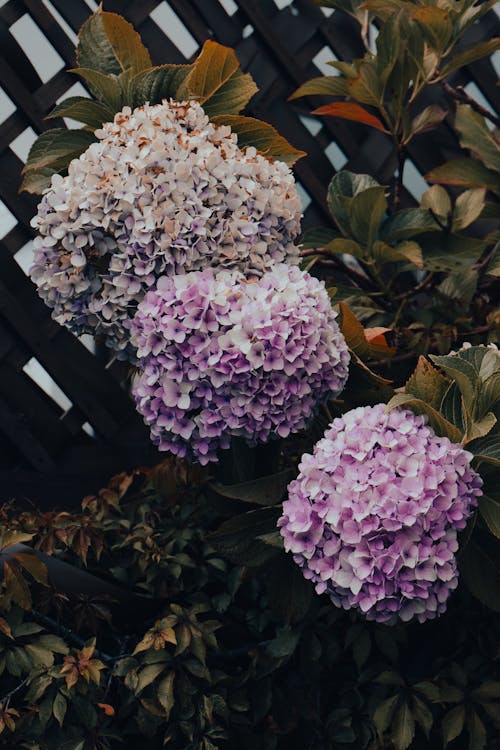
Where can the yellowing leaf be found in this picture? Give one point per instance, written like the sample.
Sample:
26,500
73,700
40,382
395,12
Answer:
110,44
262,136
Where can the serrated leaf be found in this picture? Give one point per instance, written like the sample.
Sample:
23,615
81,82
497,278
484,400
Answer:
82,109
317,238
342,190
262,136
263,491
475,135
161,82
16,587
461,371
57,147
351,111
109,44
404,251
323,85
106,87
465,172
165,693
452,724
460,286
436,199
439,424
147,675
427,383
435,25
403,727
232,96
342,245
428,119
37,181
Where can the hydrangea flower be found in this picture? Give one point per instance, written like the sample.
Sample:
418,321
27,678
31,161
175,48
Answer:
373,515
223,355
163,191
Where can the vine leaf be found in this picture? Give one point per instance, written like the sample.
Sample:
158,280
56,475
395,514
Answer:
351,111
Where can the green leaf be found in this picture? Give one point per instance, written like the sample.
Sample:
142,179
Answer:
436,199
469,54
460,286
427,383
56,148
439,424
384,713
451,407
452,724
461,371
341,190
262,136
465,172
289,602
59,708
477,732
428,119
161,82
323,85
486,449
468,207
490,511
451,252
284,645
476,136
342,245
480,570
237,539
109,44
408,222
403,728
318,237
107,88
85,110
147,675
367,87
487,691
165,693
263,491
435,25
233,96
366,211
422,715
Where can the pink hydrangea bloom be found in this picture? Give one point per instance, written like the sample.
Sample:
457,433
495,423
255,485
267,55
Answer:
373,515
221,355
163,191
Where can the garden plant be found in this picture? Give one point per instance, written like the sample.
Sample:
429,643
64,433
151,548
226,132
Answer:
314,561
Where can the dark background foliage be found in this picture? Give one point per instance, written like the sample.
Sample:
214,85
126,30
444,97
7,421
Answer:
46,451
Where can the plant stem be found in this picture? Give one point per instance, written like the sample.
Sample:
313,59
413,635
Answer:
460,95
398,183
4,702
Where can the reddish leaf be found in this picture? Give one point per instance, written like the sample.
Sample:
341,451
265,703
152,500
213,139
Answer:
108,710
348,111
377,339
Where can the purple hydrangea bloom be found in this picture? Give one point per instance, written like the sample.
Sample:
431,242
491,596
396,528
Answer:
163,191
222,355
373,515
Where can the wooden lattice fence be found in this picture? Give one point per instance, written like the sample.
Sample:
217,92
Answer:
66,420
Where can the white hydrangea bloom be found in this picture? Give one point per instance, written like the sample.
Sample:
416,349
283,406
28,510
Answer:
163,191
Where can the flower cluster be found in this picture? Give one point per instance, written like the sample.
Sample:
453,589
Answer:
224,355
372,518
163,191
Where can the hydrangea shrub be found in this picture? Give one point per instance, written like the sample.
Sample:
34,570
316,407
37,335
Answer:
373,515
224,355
